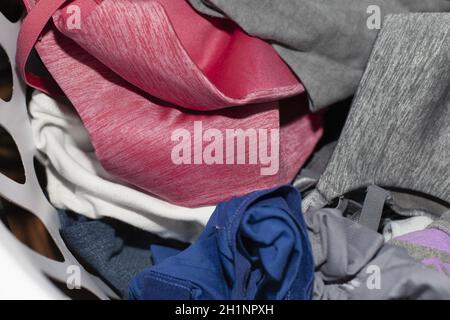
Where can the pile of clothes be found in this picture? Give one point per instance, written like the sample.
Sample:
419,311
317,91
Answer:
223,149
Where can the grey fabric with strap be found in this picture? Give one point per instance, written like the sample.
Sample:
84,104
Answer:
373,207
397,134
348,256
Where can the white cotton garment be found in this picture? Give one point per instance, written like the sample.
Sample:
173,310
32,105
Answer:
76,181
397,228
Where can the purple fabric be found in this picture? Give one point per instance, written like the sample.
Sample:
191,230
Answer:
437,264
431,238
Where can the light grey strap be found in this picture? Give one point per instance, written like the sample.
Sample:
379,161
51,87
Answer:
342,204
373,207
313,201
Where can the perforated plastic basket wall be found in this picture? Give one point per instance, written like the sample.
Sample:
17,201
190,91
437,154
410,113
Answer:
24,273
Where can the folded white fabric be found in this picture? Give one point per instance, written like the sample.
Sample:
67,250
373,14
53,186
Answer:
77,181
397,228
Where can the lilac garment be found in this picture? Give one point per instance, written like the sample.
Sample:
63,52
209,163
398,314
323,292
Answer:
431,238
430,246
437,264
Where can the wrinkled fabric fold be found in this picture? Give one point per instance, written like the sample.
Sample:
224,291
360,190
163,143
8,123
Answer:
326,43
219,67
398,122
254,247
132,131
115,251
353,263
76,180
397,228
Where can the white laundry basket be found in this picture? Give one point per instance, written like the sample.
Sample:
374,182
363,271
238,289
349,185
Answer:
24,273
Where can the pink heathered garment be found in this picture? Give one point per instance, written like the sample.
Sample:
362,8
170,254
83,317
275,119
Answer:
131,131
170,51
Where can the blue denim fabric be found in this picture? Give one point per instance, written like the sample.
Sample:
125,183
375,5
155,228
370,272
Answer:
253,247
109,248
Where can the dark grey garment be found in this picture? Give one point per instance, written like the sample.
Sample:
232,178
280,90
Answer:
326,43
397,134
333,122
410,205
348,256
112,249
311,173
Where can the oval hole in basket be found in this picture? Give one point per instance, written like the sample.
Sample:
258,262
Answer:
74,294
10,160
41,176
11,9
29,230
6,76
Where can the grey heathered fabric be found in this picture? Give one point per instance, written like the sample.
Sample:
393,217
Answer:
326,43
345,254
410,205
443,223
397,133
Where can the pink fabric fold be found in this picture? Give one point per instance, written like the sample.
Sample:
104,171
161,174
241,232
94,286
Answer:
170,51
131,130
